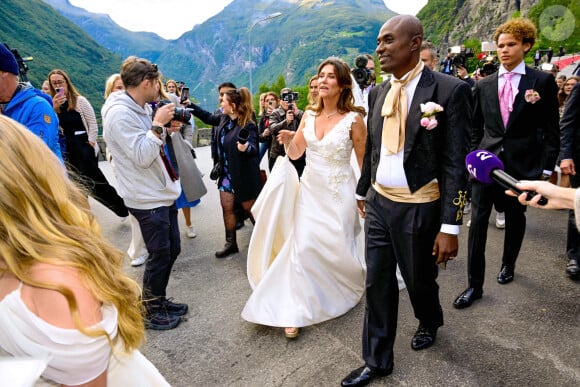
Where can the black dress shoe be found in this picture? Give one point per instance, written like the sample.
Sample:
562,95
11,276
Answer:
363,376
465,299
239,224
506,275
424,338
573,269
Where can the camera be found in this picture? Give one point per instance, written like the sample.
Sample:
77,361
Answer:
289,97
459,58
361,74
181,114
489,68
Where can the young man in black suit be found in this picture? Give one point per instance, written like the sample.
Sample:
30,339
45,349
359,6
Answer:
515,117
411,191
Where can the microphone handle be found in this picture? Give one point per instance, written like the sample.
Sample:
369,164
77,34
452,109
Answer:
510,182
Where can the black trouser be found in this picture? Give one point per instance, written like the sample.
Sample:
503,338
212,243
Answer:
398,233
161,235
573,237
482,200
81,159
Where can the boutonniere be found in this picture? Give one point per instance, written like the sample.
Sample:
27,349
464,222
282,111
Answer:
429,110
532,96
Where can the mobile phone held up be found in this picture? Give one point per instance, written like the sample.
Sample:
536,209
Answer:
184,95
59,90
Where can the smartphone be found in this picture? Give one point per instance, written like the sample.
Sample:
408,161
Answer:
59,90
184,95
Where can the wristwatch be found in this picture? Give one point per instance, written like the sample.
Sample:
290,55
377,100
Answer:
157,129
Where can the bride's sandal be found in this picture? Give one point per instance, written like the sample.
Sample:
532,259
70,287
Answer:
291,333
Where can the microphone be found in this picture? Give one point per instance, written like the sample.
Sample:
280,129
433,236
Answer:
487,168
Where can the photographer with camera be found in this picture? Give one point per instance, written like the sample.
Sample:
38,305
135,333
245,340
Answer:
363,79
147,182
286,117
25,104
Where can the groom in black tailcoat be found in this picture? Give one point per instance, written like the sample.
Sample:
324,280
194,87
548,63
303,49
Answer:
412,187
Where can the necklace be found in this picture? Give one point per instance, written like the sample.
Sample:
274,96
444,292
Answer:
331,114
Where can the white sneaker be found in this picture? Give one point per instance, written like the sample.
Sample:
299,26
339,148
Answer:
500,220
139,260
190,232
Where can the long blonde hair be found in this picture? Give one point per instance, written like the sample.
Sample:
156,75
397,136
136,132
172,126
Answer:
44,218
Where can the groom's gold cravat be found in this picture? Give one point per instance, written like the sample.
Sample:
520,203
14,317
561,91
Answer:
395,112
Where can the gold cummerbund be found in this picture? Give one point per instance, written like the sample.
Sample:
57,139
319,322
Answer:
426,194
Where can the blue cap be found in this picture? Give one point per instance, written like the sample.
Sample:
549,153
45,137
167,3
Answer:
7,60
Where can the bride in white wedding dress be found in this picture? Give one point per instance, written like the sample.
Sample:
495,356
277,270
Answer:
303,263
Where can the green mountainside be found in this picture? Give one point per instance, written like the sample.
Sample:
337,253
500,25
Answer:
291,45
37,30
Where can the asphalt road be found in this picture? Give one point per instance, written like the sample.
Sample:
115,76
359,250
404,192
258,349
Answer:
521,334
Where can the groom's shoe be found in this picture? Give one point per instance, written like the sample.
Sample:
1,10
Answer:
363,376
423,338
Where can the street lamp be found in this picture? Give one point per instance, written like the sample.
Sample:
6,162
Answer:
269,17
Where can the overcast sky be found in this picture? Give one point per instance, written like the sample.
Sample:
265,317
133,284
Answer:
171,18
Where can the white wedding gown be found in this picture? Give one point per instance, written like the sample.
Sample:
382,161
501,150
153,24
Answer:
305,258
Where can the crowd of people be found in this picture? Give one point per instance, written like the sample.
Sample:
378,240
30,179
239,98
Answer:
389,155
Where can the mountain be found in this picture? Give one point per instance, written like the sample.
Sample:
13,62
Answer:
109,34
217,50
37,30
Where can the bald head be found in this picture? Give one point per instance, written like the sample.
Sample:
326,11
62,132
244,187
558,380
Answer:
407,24
399,43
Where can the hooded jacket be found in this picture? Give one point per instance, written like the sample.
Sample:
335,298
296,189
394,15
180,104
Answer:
143,181
33,109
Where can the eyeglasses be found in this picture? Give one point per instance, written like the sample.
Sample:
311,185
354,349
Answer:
58,82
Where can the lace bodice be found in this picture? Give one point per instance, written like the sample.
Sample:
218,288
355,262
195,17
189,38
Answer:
330,156
336,146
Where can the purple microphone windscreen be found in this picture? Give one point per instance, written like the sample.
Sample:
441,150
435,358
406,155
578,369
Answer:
480,164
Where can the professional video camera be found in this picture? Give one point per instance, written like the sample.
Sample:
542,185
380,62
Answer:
488,66
459,56
181,114
361,74
22,67
289,97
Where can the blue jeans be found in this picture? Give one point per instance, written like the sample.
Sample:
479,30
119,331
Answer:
161,235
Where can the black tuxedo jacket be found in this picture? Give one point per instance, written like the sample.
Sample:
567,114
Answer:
530,143
570,127
429,154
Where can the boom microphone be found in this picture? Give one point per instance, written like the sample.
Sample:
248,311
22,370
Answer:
487,168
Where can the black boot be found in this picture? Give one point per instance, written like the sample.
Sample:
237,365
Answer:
231,246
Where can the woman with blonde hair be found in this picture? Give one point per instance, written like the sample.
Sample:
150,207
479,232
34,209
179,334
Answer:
113,83
77,119
63,296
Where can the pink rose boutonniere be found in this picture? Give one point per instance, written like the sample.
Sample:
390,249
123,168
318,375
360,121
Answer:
532,96
429,110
